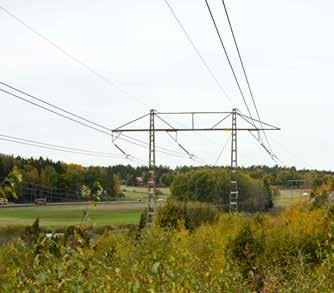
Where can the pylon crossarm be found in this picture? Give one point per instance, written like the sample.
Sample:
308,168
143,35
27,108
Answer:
131,122
221,120
164,121
193,129
245,117
168,127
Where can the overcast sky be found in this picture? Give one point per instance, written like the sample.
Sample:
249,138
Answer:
287,48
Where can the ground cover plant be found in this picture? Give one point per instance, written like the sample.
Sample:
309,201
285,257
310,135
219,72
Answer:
291,252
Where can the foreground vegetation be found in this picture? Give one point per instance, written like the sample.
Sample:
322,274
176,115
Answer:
292,252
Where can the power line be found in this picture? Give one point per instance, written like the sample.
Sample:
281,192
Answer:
192,156
144,144
228,59
70,56
54,112
54,106
60,147
197,51
160,150
244,71
93,71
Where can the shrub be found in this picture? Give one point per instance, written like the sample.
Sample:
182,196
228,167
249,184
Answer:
237,253
190,214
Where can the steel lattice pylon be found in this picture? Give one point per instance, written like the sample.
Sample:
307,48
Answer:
251,126
151,176
234,191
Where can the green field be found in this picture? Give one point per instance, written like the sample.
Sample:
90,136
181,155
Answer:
140,193
55,216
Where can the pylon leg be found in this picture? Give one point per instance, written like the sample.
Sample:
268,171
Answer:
151,177
234,190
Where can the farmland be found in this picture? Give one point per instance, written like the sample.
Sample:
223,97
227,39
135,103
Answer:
54,216
289,197
126,211
121,212
140,193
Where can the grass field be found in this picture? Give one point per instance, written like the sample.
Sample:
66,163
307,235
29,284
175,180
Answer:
140,193
54,216
288,198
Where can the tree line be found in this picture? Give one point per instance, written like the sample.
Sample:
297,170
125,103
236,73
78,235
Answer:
65,181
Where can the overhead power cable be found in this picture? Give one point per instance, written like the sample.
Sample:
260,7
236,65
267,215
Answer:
72,57
54,112
229,61
191,156
104,130
97,74
54,106
272,156
61,147
58,149
197,51
89,68
145,144
245,73
170,153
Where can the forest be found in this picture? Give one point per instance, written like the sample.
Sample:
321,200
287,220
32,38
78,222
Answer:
43,177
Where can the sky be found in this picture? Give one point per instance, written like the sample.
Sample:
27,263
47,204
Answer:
286,46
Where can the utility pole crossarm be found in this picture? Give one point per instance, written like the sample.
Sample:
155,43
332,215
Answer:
192,129
167,127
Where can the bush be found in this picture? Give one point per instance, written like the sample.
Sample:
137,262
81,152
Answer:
292,252
190,214
177,214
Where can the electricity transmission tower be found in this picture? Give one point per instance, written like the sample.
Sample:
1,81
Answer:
154,116
234,191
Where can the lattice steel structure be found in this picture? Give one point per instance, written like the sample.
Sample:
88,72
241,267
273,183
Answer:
154,116
234,190
151,164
